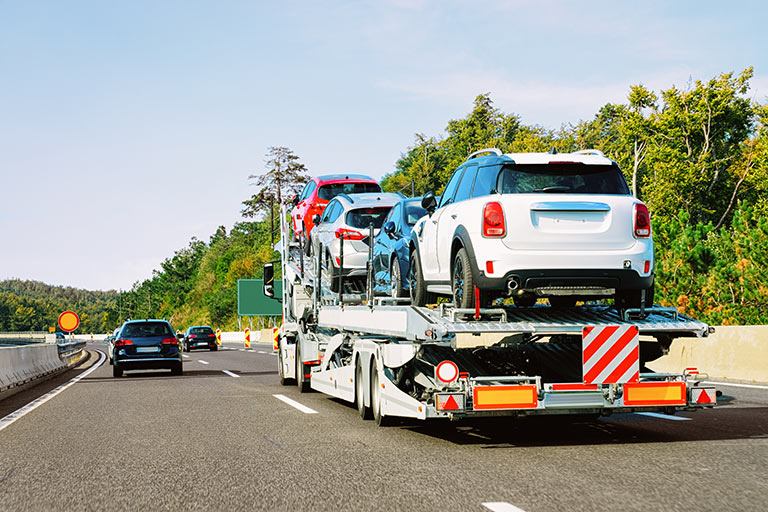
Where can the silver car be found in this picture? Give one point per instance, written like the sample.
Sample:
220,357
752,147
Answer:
349,218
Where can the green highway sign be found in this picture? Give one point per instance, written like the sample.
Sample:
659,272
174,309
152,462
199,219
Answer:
251,300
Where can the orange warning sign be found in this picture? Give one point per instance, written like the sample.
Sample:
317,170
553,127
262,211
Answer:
69,321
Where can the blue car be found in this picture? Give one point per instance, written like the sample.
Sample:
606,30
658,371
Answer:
390,248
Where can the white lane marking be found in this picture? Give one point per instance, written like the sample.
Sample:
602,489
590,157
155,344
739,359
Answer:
185,356
34,404
749,386
501,506
231,374
663,416
202,362
241,349
263,352
295,404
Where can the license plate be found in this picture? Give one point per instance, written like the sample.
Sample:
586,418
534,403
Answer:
143,350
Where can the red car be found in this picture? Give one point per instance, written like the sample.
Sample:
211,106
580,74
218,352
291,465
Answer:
319,191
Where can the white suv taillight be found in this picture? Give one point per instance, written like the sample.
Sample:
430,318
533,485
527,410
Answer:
493,221
642,221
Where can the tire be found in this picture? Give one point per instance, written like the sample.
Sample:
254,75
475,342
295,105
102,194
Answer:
417,286
334,281
395,279
378,417
177,370
302,384
462,281
117,372
524,301
365,412
214,349
627,299
562,302
186,348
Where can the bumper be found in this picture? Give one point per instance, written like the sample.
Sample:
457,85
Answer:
624,279
148,363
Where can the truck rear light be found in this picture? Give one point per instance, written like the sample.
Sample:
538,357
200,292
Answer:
169,341
642,221
446,372
349,234
493,220
646,266
123,343
489,267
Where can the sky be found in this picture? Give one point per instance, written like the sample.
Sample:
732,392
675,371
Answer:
128,127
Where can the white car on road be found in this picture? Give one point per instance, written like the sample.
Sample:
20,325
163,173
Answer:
532,225
349,217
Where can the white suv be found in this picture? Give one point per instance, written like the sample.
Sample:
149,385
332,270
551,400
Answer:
349,217
530,225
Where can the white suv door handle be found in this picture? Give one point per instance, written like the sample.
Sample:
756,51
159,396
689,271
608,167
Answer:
453,216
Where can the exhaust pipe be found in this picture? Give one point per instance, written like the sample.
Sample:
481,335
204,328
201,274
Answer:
513,284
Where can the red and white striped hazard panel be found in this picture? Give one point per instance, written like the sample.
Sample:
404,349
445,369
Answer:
610,354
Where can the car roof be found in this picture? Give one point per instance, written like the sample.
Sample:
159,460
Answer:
142,320
588,157
344,177
369,199
199,327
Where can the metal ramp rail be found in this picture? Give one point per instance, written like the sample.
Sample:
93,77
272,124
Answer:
425,324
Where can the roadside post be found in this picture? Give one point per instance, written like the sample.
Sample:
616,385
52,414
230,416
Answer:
218,337
275,338
247,338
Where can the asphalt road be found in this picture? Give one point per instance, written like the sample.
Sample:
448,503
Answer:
212,440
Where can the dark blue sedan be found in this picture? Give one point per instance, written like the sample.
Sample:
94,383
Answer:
390,248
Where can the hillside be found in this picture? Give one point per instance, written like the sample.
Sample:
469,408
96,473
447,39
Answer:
35,306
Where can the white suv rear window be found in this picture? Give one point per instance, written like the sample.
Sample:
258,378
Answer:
561,178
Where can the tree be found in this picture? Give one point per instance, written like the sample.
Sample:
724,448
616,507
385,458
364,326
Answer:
283,174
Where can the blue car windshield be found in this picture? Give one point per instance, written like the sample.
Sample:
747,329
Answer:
146,330
413,212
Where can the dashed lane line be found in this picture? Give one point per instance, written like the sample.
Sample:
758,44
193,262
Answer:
34,404
231,374
185,356
501,506
202,362
295,404
663,416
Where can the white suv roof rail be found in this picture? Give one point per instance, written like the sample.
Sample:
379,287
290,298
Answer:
590,152
495,151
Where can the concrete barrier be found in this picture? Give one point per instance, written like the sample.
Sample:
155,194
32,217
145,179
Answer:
738,353
24,365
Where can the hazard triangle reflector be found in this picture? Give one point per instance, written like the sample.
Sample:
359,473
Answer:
450,404
704,398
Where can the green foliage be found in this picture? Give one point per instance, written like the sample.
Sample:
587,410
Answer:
35,306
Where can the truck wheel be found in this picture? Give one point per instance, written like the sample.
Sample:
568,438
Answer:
117,372
365,412
301,382
395,280
378,416
562,302
462,281
177,369
418,289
